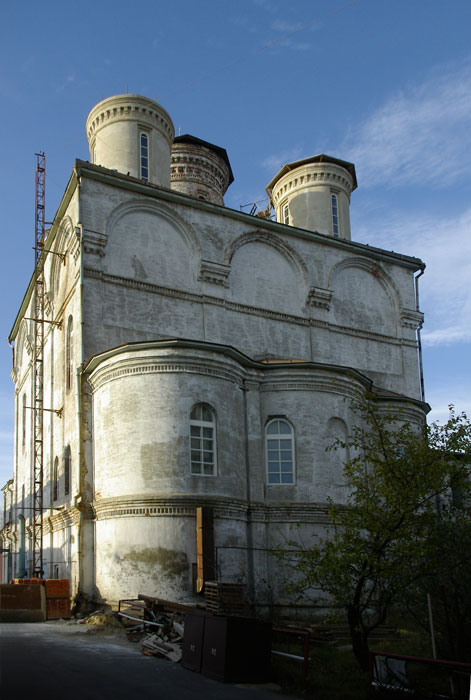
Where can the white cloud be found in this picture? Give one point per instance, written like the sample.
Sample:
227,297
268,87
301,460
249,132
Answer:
439,399
68,81
281,25
447,336
445,246
266,5
420,135
275,161
295,45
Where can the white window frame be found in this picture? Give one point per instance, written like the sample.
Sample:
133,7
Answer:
273,453
144,150
285,213
201,432
334,206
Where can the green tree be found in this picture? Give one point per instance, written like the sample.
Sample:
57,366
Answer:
448,584
377,543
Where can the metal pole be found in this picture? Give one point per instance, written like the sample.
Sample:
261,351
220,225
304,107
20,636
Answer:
432,632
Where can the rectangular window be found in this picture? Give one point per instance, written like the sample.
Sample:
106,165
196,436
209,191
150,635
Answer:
202,441
335,215
202,450
144,152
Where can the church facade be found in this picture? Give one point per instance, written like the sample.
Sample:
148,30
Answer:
198,359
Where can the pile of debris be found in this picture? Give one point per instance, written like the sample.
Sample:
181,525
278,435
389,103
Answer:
159,634
159,645
101,618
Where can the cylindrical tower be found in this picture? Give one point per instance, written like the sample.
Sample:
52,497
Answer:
132,134
314,194
200,169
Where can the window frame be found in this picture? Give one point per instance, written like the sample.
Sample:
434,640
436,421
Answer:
334,208
278,437
201,425
285,213
144,155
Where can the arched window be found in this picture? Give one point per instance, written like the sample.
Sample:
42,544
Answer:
203,440
68,354
279,443
144,153
67,469
55,479
286,214
335,215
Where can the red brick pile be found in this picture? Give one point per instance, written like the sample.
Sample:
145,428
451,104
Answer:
57,595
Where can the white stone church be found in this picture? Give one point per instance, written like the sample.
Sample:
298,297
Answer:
205,359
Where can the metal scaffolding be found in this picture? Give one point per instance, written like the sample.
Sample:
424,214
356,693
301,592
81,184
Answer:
38,361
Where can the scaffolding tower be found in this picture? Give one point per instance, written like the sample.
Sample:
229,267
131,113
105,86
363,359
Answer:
38,363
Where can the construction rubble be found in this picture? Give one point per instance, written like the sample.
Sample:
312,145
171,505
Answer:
159,635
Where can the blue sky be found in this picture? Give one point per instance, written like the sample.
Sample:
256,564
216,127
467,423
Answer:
383,83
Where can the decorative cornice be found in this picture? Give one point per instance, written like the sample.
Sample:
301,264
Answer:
309,175
251,385
59,521
319,297
133,107
223,508
412,319
234,306
193,164
168,506
94,242
193,297
139,366
292,512
215,273
113,178
221,361
333,385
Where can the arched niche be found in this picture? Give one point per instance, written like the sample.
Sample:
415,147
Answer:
336,432
364,298
266,273
60,268
146,242
21,358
